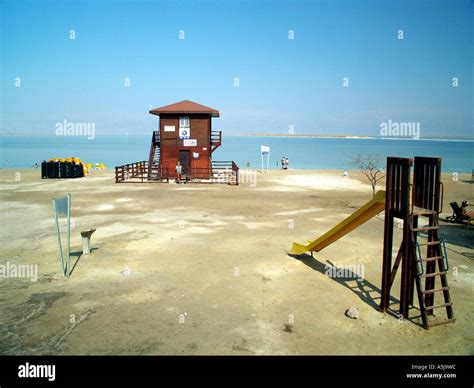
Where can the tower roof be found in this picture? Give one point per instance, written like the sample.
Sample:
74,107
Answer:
184,107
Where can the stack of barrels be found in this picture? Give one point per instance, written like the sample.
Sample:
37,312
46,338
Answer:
58,169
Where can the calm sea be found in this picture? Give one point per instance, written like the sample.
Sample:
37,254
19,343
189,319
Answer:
303,153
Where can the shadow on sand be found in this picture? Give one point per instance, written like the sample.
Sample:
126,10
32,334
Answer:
457,234
78,256
368,292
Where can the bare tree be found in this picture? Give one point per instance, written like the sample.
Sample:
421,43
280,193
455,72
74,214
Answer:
369,164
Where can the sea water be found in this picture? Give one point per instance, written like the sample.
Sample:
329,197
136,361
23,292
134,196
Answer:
303,153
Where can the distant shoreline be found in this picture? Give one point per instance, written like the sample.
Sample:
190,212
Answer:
296,136
363,137
303,135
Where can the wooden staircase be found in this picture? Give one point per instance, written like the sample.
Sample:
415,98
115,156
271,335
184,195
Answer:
154,158
434,265
216,140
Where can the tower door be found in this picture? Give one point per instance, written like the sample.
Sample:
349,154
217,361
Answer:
185,160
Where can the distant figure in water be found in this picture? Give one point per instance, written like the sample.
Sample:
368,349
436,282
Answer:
36,166
248,164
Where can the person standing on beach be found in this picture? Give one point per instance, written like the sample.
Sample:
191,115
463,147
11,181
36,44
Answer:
179,171
283,163
287,163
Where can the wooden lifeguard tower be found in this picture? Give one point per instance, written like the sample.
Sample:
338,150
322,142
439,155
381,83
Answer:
184,134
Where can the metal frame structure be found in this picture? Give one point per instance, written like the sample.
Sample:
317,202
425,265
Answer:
408,202
62,206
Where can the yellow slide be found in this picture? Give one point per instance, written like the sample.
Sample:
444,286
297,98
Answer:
362,215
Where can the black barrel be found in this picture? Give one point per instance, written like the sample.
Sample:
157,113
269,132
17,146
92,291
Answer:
56,169
69,170
44,169
63,170
51,173
75,169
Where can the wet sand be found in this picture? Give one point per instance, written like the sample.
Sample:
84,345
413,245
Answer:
204,269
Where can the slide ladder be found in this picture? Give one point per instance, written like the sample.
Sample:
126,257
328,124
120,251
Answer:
435,265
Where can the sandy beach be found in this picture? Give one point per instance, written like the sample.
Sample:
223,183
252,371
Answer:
204,269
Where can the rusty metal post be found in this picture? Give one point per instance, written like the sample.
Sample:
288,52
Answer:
388,238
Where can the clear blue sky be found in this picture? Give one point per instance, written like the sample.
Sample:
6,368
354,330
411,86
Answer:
282,82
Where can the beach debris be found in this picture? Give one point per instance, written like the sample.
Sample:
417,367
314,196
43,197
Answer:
242,346
352,313
288,328
127,272
191,346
